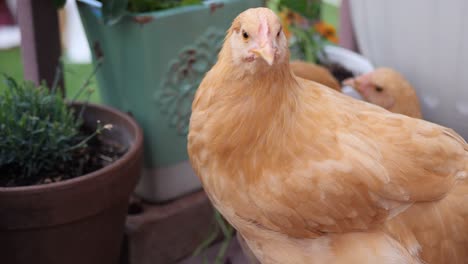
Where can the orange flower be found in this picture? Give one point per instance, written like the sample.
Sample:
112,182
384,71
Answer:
299,20
327,31
286,20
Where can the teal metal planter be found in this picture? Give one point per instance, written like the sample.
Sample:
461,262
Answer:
152,66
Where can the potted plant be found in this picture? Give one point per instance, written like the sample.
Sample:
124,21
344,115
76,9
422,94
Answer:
155,55
66,174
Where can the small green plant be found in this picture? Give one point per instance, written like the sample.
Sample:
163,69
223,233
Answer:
37,129
39,133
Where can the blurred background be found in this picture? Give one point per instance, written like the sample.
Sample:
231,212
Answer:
76,55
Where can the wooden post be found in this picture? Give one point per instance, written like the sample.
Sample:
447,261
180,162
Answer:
40,40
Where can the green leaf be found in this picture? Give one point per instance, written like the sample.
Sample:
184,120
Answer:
308,8
190,2
306,43
113,10
37,129
274,5
10,82
59,3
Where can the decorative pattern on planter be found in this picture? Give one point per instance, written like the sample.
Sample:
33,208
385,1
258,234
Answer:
183,77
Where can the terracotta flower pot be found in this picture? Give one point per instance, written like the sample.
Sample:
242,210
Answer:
80,220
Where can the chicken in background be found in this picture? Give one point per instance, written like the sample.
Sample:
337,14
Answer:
314,72
387,88
309,175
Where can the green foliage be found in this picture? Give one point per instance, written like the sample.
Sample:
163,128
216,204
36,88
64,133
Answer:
38,131
308,45
138,6
114,10
59,3
228,233
310,9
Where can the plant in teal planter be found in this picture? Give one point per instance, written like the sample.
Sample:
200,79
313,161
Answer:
153,62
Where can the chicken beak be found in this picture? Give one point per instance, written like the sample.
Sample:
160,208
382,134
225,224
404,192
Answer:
267,53
360,83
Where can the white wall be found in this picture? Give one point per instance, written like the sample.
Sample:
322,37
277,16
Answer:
426,40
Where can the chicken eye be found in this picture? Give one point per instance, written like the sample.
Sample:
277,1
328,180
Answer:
245,35
379,89
278,34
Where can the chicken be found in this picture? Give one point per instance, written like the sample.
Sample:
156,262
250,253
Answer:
309,175
314,73
387,88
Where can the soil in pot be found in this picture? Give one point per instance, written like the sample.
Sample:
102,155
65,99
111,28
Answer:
99,153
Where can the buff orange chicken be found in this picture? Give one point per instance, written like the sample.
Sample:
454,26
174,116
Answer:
387,88
309,175
314,72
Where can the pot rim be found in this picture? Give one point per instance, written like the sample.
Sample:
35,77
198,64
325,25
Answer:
131,152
